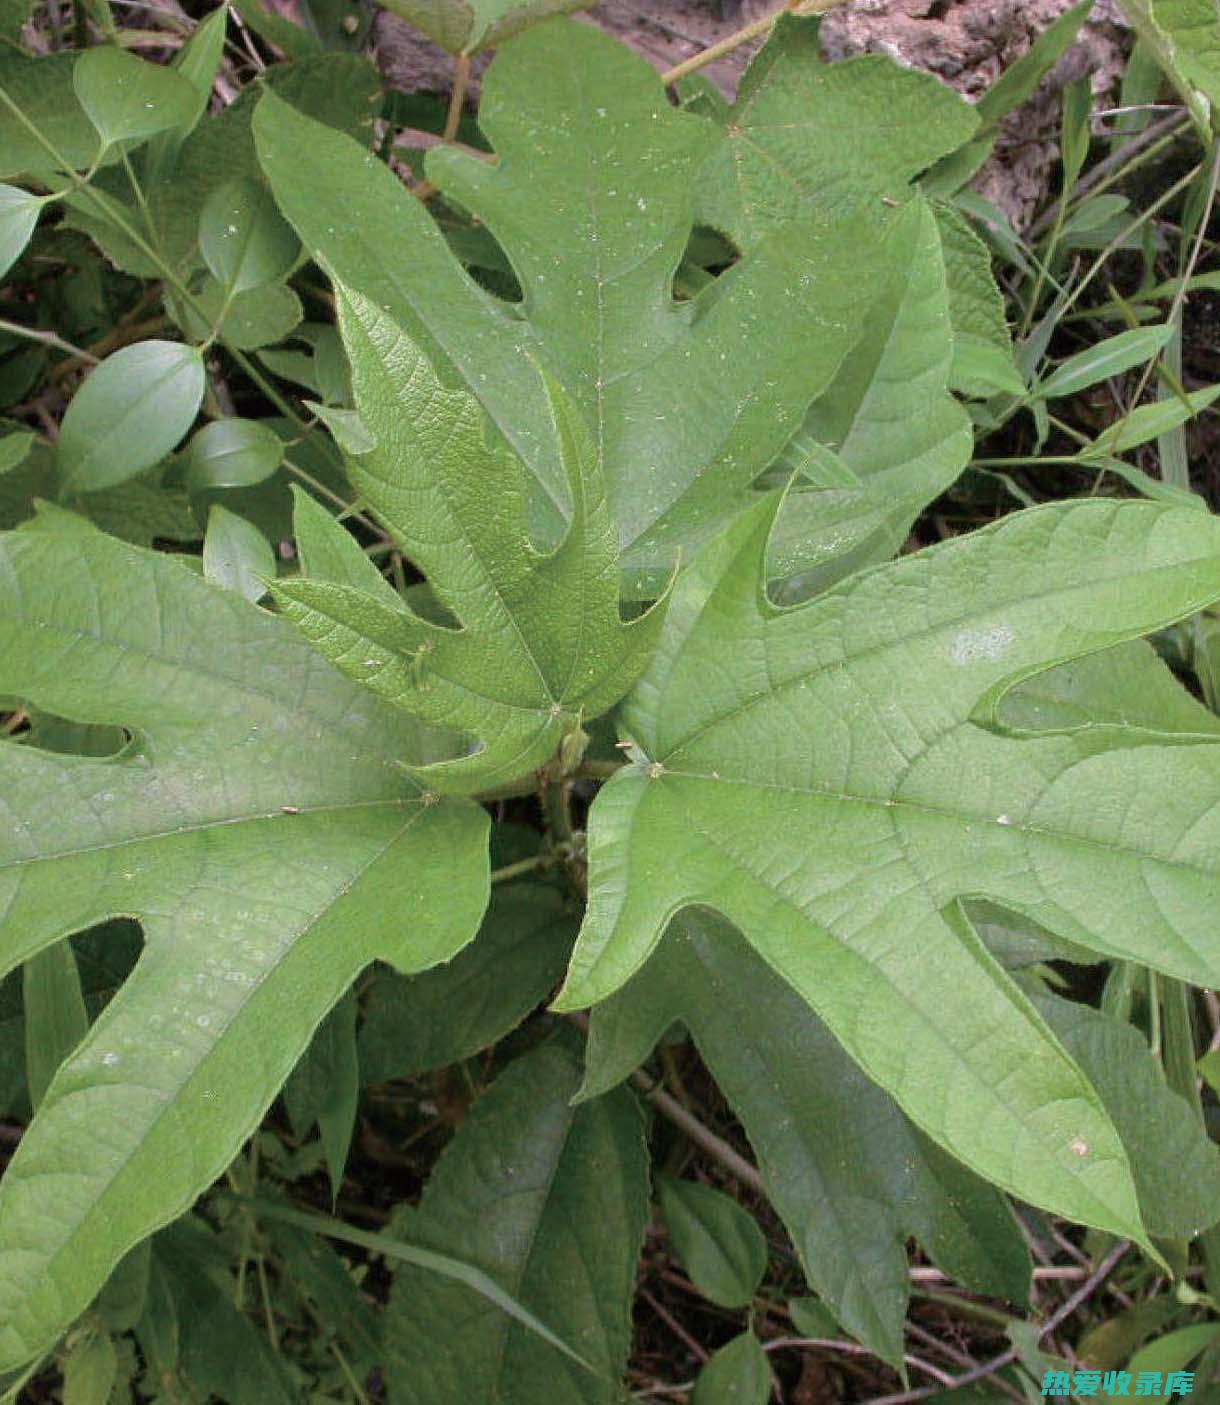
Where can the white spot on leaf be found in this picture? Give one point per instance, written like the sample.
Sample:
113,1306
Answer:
970,645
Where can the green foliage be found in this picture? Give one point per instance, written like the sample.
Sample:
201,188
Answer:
542,643
129,414
230,778
577,633
466,26
736,1375
718,1243
848,1172
541,1196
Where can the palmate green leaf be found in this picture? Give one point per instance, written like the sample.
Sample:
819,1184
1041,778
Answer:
592,201
844,783
550,1201
887,415
848,1173
804,134
542,643
781,152
259,827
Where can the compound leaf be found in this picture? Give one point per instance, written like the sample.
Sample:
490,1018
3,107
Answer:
542,642
258,825
838,789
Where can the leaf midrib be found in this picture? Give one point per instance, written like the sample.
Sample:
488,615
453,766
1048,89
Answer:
963,818
238,685
846,662
157,836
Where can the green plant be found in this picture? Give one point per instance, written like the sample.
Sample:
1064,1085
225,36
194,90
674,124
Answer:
634,428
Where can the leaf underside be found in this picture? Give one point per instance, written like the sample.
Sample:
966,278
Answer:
259,827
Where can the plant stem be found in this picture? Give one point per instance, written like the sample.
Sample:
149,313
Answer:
154,254
1158,135
557,811
522,866
16,329
703,1137
457,97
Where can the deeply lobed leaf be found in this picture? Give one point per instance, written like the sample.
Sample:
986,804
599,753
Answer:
592,201
839,787
258,825
542,642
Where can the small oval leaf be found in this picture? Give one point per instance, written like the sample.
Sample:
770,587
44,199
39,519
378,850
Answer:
236,555
244,239
233,453
127,98
720,1245
130,413
737,1374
